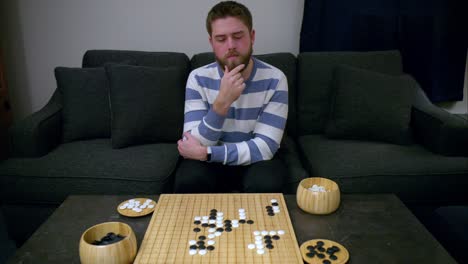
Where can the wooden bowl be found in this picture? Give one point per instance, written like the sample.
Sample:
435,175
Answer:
123,251
318,202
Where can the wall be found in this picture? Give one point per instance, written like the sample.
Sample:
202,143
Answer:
40,35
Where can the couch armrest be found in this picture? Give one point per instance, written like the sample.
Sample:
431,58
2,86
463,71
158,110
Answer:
438,130
39,132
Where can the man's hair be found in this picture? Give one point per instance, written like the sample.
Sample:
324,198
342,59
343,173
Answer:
229,9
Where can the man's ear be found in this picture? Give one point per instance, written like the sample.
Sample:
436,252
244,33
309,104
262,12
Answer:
252,36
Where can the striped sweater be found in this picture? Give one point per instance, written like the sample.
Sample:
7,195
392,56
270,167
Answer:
254,126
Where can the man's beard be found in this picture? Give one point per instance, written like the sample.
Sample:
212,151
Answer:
231,64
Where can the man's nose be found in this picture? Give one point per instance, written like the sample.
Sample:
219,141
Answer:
231,43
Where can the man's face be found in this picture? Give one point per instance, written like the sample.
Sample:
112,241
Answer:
231,41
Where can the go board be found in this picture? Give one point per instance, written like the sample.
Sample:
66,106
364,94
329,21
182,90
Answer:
220,228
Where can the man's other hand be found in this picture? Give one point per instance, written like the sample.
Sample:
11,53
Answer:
190,148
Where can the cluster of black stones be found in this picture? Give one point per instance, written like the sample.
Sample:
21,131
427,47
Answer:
110,238
227,227
319,251
269,209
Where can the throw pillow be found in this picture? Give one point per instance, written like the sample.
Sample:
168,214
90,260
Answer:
146,104
85,95
368,105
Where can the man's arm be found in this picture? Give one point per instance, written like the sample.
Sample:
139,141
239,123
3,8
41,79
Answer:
268,133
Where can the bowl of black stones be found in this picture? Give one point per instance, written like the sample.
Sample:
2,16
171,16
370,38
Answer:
110,242
324,251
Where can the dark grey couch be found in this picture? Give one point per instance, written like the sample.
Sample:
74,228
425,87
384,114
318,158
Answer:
43,170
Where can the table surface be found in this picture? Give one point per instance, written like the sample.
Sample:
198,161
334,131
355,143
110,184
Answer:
376,228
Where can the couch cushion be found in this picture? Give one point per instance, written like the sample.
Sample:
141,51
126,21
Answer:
85,98
315,71
370,106
146,104
89,167
412,172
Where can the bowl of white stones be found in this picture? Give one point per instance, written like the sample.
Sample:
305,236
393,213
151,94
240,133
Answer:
318,195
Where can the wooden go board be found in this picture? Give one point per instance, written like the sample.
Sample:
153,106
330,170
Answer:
179,220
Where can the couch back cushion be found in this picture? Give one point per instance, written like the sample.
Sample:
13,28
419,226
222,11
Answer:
315,73
286,62
180,61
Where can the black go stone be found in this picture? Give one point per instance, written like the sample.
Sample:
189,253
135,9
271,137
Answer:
210,248
196,230
275,237
200,243
212,225
310,248
228,229
197,222
310,254
227,225
267,237
250,222
202,237
269,246
274,204
320,243
193,247
269,207
320,255
227,221
213,211
333,257
205,225
321,249
326,261
201,247
213,217
271,214
335,248
220,229
242,221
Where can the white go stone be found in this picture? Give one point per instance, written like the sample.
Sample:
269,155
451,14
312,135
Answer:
151,206
219,214
217,233
205,217
258,237
234,221
281,232
219,225
211,236
260,246
136,209
123,207
256,233
131,200
192,252
202,252
211,221
235,225
210,242
251,246
143,206
260,251
242,217
258,242
272,233
192,242
148,201
241,210
264,233
212,230
197,218
274,201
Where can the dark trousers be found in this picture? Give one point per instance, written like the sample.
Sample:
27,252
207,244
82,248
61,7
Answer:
202,177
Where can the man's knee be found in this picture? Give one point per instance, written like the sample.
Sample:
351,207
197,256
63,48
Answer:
265,176
193,177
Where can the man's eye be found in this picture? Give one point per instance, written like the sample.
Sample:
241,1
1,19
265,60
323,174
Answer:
220,39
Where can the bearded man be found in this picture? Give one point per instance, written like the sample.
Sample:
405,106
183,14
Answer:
235,113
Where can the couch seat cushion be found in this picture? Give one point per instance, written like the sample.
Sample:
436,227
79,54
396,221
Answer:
89,167
410,171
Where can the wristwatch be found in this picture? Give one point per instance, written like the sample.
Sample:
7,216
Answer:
208,154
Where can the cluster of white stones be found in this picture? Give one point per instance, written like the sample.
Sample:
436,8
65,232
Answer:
260,236
135,205
317,188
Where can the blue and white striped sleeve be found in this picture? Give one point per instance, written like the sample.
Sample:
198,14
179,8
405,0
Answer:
268,132
202,122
